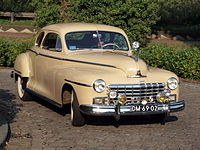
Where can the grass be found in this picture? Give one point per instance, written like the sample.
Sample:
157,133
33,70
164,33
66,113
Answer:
17,22
17,39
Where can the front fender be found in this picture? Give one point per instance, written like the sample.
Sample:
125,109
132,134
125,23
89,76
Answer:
85,75
21,66
161,75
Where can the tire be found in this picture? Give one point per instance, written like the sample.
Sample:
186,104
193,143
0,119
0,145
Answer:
21,89
77,117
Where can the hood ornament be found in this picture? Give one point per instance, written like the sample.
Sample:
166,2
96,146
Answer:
138,75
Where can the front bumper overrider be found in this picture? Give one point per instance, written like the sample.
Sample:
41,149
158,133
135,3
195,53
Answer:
98,110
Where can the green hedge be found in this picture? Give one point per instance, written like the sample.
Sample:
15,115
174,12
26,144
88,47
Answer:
9,52
185,63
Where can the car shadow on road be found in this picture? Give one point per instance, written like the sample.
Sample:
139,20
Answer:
128,120
8,111
61,111
8,107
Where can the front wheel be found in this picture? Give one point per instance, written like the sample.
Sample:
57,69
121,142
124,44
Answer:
77,117
21,89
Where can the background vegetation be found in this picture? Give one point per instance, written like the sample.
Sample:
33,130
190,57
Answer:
9,52
185,63
180,12
16,5
137,17
180,17
47,12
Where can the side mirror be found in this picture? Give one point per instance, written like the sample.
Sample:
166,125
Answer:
136,45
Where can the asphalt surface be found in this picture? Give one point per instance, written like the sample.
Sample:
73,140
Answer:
37,125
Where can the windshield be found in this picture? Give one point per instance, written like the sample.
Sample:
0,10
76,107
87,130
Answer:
95,40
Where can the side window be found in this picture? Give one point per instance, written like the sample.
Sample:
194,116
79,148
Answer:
39,39
52,42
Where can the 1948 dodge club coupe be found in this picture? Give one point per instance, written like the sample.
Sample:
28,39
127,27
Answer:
92,67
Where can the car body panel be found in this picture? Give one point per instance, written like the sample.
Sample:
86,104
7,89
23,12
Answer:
48,71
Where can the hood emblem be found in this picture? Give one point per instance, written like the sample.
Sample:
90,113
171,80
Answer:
138,75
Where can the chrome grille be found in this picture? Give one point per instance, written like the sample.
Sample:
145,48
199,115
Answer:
137,92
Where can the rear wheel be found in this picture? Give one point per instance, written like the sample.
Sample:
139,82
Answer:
21,89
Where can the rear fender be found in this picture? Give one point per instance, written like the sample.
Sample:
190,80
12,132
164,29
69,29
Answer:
21,66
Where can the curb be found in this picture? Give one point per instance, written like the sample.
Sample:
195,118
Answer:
190,84
4,131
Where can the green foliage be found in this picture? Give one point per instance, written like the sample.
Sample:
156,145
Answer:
47,12
16,6
179,12
9,52
185,63
134,16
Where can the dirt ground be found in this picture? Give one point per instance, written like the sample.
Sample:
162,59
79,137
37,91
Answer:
37,125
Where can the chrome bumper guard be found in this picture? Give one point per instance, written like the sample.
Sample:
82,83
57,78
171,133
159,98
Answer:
96,110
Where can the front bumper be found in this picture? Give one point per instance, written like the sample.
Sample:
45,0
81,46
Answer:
95,110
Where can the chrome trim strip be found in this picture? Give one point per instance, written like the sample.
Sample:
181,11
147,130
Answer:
145,85
136,76
177,106
96,110
65,59
78,83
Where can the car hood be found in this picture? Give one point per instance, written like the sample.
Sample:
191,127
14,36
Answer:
128,64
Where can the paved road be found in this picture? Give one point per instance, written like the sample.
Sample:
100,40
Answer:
36,125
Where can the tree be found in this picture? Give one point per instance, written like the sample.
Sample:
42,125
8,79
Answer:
16,5
179,12
134,16
49,11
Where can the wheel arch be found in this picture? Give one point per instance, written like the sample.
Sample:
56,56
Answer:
67,87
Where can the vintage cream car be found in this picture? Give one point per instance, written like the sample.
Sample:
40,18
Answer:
92,67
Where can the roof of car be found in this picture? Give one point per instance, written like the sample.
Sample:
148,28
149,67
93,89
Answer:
71,27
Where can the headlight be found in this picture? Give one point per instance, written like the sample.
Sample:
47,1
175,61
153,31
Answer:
172,83
99,85
112,94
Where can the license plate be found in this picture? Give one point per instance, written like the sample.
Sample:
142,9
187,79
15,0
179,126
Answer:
143,108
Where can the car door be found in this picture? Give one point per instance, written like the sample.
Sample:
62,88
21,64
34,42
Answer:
46,64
